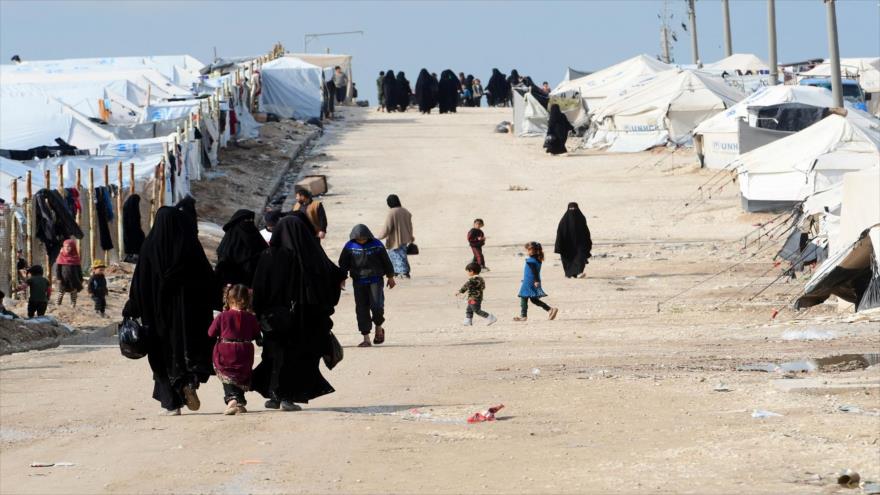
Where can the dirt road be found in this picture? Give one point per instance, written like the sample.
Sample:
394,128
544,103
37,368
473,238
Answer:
611,397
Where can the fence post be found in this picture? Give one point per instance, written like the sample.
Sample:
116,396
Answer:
119,245
47,176
13,246
29,252
93,251
78,187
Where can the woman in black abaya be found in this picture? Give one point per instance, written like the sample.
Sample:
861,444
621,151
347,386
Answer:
174,292
296,288
426,92
240,249
558,128
404,91
573,242
389,89
447,96
497,90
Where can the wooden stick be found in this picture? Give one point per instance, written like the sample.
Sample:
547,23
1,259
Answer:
154,194
47,176
162,182
131,189
13,246
107,185
29,250
120,249
61,179
79,212
93,249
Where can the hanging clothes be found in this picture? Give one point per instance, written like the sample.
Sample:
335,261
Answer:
132,232
103,214
71,196
54,224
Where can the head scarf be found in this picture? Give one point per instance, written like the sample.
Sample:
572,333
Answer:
572,234
555,115
71,258
393,201
187,205
361,231
319,280
240,249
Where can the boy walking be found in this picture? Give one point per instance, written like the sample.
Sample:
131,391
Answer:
38,290
364,257
477,239
474,288
98,287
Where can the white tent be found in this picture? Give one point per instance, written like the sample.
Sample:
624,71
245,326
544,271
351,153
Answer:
609,82
742,62
529,117
182,70
787,171
719,133
664,109
292,88
38,120
329,61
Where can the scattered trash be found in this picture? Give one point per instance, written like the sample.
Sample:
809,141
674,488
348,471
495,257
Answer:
536,372
848,478
517,188
757,413
251,461
808,335
720,387
870,487
487,415
37,464
857,410
767,367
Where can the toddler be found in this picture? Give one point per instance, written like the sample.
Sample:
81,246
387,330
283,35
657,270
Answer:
476,240
98,287
474,288
235,328
69,272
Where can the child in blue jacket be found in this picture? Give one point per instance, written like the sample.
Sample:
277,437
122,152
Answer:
365,258
531,289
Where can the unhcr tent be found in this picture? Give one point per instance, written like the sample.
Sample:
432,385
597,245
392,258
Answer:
292,88
182,70
739,63
609,82
574,74
664,109
720,144
786,171
852,272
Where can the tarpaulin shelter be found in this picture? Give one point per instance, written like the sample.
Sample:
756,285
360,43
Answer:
719,133
292,88
664,109
529,116
785,172
329,61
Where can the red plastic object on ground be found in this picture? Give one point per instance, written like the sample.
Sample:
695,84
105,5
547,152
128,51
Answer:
487,415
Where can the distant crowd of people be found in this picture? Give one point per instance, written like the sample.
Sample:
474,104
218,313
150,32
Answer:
448,91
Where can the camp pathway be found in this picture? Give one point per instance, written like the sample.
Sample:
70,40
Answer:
611,397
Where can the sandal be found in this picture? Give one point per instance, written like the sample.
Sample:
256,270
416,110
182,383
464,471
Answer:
520,318
231,408
191,399
380,335
365,343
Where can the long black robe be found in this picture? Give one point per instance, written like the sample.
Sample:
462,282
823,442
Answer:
389,89
132,231
240,250
573,241
558,127
102,210
537,93
426,91
514,79
497,90
174,292
54,223
447,94
404,91
295,273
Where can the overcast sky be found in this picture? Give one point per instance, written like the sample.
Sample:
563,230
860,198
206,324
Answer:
540,39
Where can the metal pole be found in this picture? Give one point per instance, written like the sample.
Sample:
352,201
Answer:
771,28
665,44
728,43
694,50
834,49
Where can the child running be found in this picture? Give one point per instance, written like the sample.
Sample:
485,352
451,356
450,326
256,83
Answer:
366,259
474,288
69,272
38,292
531,289
234,330
476,239
98,287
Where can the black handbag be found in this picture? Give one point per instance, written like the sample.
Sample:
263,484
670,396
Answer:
412,249
334,354
276,320
133,338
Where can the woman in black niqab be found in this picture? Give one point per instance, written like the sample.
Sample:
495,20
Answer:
174,292
132,231
404,91
296,288
389,89
426,92
558,128
536,92
497,89
240,249
573,242
447,96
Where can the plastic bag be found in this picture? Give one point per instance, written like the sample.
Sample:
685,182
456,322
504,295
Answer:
132,338
335,354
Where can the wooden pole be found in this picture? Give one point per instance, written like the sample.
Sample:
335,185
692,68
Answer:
154,194
162,183
61,179
131,178
107,185
93,249
29,250
13,246
78,187
47,176
120,249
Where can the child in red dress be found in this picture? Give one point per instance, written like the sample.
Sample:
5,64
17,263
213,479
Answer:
234,330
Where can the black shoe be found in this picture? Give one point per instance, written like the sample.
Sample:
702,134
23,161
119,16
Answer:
272,404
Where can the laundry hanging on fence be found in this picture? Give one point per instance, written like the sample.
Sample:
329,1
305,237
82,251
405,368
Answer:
104,214
132,232
71,198
54,222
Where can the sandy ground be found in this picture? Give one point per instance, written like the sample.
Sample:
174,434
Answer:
611,397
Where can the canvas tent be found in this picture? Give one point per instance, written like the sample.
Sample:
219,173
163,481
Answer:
852,271
609,82
329,61
787,171
292,88
719,133
574,74
529,117
740,63
182,70
664,109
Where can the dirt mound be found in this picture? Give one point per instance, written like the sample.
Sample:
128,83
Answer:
27,335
